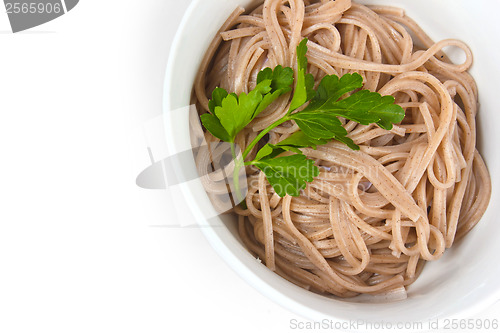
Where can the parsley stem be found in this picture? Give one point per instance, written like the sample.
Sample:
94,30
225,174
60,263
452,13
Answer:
233,151
261,135
236,180
238,163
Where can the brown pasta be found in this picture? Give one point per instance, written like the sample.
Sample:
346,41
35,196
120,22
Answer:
372,218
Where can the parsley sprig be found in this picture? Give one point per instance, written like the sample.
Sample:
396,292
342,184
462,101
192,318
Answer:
318,121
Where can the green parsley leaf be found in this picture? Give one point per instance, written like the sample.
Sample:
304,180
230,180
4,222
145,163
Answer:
236,112
213,125
217,96
292,143
331,88
300,140
321,125
305,82
310,92
347,141
281,78
268,151
288,174
272,151
281,82
364,107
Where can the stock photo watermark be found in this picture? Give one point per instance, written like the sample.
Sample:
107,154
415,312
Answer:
24,15
447,324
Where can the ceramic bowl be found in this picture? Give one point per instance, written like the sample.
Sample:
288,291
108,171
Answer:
465,280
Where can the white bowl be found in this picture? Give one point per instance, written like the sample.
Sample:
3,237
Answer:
465,280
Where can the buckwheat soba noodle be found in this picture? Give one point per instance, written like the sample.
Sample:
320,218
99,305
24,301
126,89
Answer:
373,217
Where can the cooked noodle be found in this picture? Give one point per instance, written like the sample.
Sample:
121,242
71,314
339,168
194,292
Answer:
373,217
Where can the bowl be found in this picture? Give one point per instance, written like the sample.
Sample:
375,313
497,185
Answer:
463,282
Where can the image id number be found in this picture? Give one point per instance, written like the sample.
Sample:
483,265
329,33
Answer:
470,324
32,8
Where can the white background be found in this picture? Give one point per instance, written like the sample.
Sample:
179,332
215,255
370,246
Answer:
80,246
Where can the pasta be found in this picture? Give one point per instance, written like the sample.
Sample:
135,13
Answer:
372,218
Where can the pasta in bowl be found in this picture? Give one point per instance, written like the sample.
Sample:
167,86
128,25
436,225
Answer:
370,217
